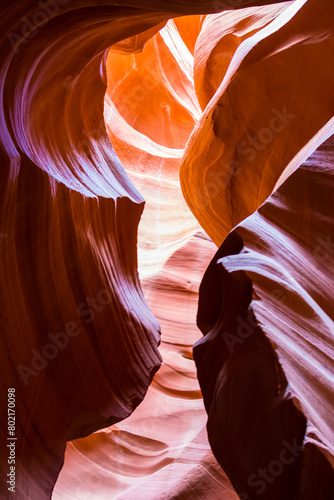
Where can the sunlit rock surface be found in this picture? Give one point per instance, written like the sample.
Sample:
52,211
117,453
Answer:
259,117
100,110
151,109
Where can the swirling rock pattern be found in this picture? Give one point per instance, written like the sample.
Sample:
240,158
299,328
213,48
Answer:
243,139
161,450
151,109
79,342
266,309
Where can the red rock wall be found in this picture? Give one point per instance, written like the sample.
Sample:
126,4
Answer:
266,311
247,96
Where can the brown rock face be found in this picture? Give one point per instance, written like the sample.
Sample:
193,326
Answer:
266,309
106,105
161,450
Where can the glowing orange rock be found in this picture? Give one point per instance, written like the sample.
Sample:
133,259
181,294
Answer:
151,109
79,343
251,129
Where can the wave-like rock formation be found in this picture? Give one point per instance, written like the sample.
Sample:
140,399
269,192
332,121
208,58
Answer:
244,138
151,109
105,105
161,450
266,362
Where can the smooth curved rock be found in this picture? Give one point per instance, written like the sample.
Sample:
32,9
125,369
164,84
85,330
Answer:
79,342
219,38
266,362
243,140
161,450
151,109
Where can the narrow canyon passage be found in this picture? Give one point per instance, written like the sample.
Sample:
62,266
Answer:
160,451
166,244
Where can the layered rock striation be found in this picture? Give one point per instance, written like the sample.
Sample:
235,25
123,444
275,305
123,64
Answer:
105,105
267,314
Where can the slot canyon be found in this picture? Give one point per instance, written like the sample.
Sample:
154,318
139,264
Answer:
167,250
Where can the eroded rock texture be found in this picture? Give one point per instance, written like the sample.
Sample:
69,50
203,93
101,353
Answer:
162,450
100,110
266,309
258,118
151,109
